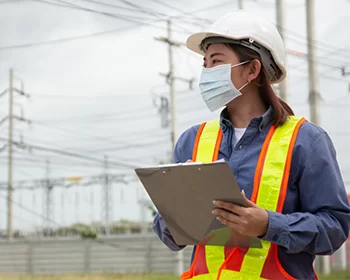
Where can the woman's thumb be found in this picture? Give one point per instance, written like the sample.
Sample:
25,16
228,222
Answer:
248,202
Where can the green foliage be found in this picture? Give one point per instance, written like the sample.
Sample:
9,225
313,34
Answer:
88,234
153,210
337,275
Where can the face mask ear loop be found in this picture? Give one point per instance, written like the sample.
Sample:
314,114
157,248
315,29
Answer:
244,85
241,63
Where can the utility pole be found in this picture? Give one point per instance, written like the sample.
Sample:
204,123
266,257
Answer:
106,197
62,206
9,144
280,17
10,163
76,205
314,94
172,89
92,210
171,79
48,204
240,4
344,73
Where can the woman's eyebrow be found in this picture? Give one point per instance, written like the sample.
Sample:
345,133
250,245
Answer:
213,54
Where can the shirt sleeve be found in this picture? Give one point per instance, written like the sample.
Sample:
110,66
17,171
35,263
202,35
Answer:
159,226
322,225
164,234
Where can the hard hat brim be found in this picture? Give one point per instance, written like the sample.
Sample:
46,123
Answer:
194,41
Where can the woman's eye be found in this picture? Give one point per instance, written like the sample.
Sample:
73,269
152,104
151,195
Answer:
216,61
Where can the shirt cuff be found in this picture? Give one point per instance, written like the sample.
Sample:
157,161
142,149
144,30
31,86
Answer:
277,231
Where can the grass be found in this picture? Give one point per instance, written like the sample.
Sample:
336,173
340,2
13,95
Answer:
89,277
341,275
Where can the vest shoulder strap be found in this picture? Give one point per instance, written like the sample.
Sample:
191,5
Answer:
207,144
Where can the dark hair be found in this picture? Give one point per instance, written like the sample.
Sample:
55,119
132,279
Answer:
281,108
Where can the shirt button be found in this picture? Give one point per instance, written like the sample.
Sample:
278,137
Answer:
240,147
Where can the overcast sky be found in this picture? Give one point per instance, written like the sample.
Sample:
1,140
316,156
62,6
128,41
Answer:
85,69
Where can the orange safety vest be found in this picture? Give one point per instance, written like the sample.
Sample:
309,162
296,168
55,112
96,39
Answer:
270,189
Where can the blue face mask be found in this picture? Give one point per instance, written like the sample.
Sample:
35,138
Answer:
216,86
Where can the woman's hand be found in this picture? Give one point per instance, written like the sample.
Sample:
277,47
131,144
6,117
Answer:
250,221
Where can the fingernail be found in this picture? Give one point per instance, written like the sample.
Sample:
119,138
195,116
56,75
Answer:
214,202
243,192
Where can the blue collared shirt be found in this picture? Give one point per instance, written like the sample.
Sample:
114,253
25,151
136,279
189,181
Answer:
316,216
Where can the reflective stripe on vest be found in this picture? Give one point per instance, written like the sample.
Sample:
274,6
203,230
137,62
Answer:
207,142
270,187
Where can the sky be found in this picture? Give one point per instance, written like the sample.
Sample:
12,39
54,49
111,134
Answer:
95,86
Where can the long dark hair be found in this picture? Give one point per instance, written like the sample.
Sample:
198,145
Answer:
281,108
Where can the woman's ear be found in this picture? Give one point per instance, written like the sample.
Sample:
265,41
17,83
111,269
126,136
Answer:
254,70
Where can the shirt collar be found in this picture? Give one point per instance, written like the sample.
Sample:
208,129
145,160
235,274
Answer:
260,122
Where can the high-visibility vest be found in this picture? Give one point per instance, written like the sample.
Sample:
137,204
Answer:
270,188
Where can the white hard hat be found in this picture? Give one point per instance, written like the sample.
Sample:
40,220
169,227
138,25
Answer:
248,30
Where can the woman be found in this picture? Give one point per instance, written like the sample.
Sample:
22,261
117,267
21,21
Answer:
285,165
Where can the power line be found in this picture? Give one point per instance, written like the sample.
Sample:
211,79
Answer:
113,6
38,159
101,33
208,8
127,144
155,137
79,37
139,145
142,9
66,182
74,6
34,158
9,1
172,7
69,5
129,141
99,118
71,154
70,96
68,39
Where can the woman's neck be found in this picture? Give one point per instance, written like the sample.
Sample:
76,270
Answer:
245,108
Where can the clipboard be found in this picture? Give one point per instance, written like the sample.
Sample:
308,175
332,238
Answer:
183,194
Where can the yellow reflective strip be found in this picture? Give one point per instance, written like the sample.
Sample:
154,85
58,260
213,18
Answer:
215,257
275,161
254,260
207,276
236,275
269,191
207,141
